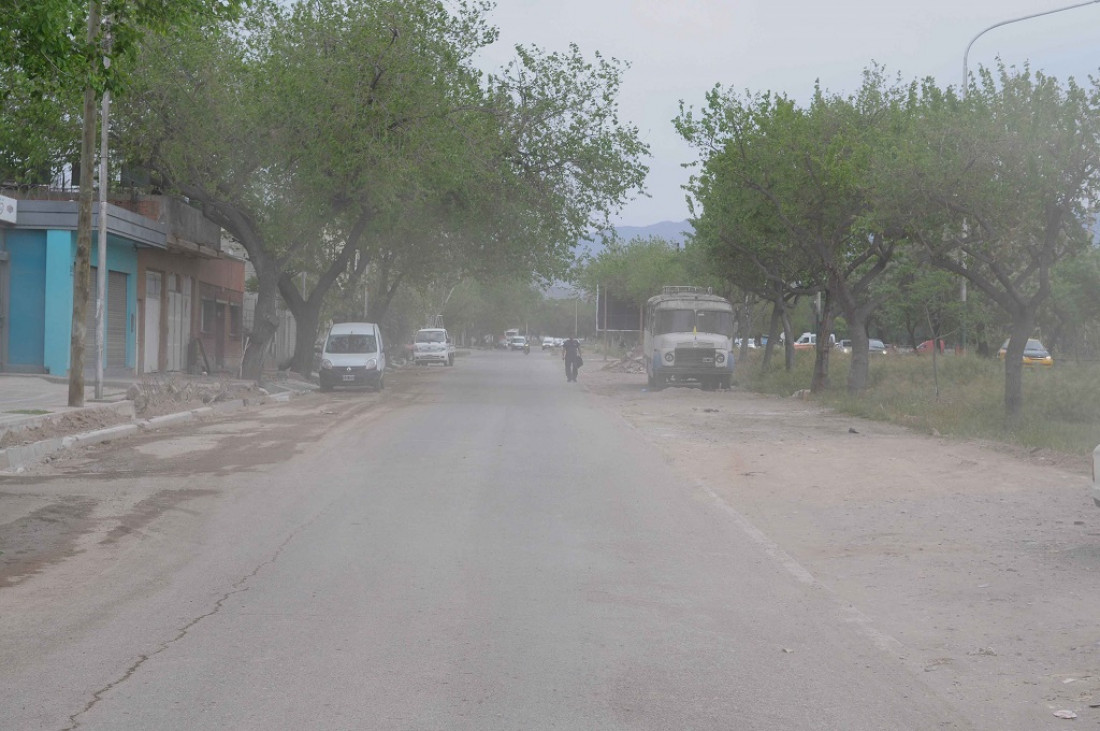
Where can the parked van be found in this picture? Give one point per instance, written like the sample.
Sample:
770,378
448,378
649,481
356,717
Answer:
808,341
353,356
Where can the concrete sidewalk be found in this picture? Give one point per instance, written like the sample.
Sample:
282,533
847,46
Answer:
24,397
29,402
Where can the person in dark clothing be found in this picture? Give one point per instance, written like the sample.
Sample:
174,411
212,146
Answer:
571,354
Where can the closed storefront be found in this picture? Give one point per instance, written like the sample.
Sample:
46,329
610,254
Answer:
179,322
116,320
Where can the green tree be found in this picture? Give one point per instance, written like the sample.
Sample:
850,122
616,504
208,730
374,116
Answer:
368,121
788,187
999,186
636,270
64,45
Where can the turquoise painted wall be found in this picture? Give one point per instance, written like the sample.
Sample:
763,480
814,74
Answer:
60,255
26,334
122,257
41,296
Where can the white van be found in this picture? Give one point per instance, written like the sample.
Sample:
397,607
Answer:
353,356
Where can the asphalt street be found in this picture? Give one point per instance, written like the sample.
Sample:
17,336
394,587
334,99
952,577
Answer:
483,548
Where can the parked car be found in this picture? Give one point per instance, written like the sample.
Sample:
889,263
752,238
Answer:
926,346
433,345
1034,353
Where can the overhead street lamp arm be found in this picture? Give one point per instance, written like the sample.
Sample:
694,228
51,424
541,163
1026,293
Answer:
966,53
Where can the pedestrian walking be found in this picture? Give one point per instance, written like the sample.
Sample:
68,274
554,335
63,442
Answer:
571,354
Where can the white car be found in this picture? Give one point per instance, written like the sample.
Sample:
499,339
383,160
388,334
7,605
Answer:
433,345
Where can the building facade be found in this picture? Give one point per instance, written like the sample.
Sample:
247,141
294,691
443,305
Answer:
163,260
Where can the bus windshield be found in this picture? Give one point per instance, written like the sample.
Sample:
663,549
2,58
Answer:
685,321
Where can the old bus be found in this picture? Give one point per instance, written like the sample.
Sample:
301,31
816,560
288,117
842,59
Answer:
688,338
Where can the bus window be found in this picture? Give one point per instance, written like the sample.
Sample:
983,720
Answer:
674,321
715,321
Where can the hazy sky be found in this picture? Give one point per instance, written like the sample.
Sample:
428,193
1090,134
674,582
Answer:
678,49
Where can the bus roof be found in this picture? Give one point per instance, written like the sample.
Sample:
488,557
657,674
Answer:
688,299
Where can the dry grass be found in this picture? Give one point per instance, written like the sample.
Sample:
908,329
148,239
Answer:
963,397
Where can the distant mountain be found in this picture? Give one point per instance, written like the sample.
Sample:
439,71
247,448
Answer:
671,230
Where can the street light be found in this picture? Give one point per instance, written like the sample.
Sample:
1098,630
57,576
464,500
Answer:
966,53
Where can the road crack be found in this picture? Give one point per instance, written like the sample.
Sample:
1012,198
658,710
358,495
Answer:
237,587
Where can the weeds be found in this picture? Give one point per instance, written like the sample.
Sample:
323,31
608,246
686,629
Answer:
1061,404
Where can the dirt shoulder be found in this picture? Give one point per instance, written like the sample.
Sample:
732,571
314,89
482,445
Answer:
979,561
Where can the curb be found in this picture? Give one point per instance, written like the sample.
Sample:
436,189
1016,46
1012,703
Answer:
15,460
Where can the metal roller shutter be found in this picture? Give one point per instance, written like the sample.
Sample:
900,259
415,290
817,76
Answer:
116,321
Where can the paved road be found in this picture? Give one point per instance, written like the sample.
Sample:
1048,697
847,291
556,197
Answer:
482,548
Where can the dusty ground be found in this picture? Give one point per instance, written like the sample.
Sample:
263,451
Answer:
978,566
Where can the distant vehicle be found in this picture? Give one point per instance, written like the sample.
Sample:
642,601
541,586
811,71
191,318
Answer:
688,338
876,346
547,343
844,346
926,346
1034,353
353,356
433,345
517,342
808,341
751,343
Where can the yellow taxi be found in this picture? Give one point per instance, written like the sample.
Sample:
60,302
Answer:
1034,353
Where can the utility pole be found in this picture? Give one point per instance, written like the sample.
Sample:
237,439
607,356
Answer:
101,266
81,273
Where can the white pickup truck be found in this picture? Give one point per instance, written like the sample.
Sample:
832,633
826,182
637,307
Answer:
433,345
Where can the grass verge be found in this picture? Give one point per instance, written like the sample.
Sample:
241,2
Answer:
963,396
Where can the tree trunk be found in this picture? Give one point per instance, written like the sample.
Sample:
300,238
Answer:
308,319
788,342
265,323
820,380
773,334
1014,367
861,358
82,267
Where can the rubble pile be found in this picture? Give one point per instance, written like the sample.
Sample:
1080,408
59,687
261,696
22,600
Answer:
627,364
157,396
